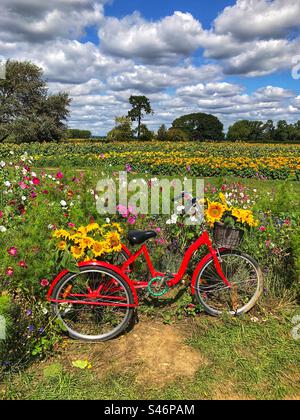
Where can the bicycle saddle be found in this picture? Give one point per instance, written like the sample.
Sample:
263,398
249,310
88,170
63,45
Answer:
137,237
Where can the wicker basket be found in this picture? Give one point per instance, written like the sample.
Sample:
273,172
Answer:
227,237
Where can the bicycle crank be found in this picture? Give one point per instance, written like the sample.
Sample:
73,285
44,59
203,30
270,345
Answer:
158,287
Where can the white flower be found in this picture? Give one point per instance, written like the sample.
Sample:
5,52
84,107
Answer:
33,174
63,203
180,209
3,229
11,152
173,220
107,220
2,164
7,184
24,198
50,227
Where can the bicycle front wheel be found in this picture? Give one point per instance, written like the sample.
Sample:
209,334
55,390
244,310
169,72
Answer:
244,276
96,304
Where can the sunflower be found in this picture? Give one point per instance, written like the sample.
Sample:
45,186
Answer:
118,227
77,252
87,242
82,231
99,248
61,234
92,227
114,241
62,245
214,212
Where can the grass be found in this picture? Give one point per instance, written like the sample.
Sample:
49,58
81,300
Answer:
244,359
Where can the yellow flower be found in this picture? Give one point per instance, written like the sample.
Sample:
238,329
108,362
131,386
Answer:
99,248
92,227
86,242
82,231
223,199
61,234
77,252
114,241
118,227
62,245
214,212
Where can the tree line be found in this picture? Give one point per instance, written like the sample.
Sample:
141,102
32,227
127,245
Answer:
29,113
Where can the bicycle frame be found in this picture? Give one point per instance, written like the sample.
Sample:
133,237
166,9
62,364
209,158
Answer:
124,271
204,239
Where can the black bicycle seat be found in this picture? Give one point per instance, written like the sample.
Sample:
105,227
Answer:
137,237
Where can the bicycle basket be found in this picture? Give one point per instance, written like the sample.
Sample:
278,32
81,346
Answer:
227,237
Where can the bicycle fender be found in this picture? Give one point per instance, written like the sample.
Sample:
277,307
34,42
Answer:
97,264
199,268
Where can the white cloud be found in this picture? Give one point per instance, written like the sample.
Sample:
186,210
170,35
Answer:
166,40
264,19
37,21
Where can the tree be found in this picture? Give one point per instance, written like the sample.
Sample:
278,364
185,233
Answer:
122,131
162,134
75,133
146,134
202,127
175,134
27,112
140,106
248,131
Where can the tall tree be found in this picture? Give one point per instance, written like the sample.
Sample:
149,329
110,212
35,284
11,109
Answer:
203,127
27,111
140,106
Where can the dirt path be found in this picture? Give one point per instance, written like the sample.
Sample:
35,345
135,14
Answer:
157,353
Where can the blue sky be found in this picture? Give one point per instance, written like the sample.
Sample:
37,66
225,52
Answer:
236,59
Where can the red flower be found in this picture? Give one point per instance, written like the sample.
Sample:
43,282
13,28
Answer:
23,264
36,181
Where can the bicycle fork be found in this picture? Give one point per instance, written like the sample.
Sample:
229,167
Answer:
216,256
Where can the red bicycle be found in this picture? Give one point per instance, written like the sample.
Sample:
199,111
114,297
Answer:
98,303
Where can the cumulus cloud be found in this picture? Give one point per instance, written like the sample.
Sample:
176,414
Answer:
263,19
166,40
37,21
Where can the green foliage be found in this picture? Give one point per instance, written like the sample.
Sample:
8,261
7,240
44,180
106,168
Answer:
140,106
74,133
122,131
202,127
176,134
260,132
27,112
162,134
145,133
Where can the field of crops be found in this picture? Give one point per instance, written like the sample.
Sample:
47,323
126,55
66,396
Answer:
163,158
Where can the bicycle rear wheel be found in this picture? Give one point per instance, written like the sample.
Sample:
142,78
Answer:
97,318
245,277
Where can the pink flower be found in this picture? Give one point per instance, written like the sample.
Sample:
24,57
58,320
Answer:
36,181
71,225
23,185
59,175
268,243
33,195
44,283
131,220
158,229
262,229
13,251
1,214
128,168
9,272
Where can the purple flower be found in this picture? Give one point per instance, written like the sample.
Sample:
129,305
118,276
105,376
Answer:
28,312
31,328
